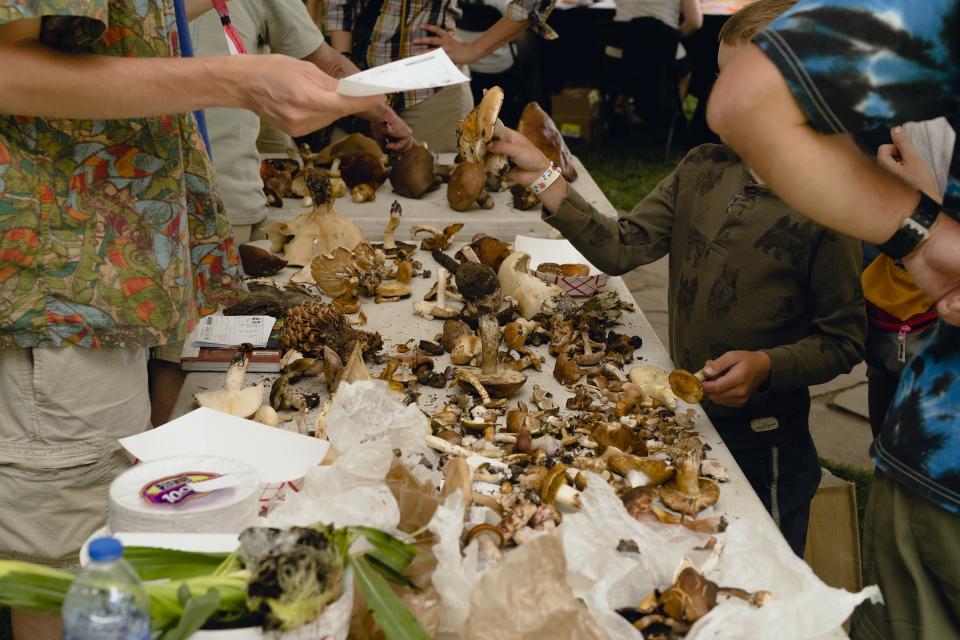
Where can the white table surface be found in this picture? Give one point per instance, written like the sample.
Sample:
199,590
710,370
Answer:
396,323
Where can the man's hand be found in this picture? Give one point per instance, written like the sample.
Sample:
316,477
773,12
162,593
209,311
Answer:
295,95
741,373
935,267
460,52
394,136
902,159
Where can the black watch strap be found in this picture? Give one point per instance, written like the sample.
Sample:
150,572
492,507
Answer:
914,230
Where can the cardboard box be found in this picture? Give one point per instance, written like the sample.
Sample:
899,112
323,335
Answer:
833,538
576,111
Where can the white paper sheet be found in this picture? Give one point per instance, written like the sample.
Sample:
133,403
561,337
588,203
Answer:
227,331
427,71
543,250
277,455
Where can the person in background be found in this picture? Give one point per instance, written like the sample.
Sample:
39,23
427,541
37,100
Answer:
271,26
827,68
668,12
264,26
113,239
765,301
375,32
900,317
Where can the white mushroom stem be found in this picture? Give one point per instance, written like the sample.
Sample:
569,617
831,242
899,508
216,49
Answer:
587,345
568,496
637,478
442,276
392,224
474,382
470,254
449,448
426,228
507,438
613,372
492,478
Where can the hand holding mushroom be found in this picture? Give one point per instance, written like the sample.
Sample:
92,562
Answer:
743,372
530,164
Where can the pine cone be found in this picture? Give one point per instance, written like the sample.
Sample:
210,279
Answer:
312,325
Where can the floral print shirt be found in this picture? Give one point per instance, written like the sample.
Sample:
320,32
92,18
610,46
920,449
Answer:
861,64
112,232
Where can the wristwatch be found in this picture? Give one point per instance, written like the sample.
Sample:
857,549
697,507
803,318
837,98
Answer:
913,231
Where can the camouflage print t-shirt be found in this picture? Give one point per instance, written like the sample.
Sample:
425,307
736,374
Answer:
112,232
860,64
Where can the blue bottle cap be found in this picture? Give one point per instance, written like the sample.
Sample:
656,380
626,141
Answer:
105,549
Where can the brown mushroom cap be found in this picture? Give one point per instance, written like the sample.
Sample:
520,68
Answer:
487,530
466,183
413,173
259,262
554,478
638,500
477,283
690,598
537,127
458,477
453,329
363,168
658,471
503,384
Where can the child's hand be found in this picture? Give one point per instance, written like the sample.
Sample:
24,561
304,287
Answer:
530,161
740,373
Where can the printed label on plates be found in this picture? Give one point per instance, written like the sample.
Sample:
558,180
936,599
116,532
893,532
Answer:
173,490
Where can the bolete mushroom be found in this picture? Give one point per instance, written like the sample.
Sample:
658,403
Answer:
688,492
478,128
319,231
554,488
466,187
413,174
538,127
234,398
363,173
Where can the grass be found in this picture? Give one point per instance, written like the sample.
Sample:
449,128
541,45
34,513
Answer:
627,166
861,479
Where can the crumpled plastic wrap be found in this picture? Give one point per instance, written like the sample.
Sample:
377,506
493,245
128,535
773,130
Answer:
366,424
367,410
803,606
606,579
352,491
455,575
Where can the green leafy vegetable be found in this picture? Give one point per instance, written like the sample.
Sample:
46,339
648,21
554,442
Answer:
196,612
395,619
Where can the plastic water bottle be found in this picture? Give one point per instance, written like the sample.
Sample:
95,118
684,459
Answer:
106,600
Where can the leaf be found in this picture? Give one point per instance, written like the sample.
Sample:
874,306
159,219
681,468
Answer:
389,551
394,619
389,573
158,564
196,612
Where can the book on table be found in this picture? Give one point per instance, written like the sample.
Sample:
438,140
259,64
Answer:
200,355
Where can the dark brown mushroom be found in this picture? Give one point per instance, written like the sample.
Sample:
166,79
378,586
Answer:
259,262
413,173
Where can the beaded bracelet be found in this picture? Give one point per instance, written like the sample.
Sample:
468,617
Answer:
543,183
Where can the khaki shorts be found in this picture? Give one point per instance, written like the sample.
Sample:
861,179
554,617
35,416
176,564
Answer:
910,549
61,413
434,120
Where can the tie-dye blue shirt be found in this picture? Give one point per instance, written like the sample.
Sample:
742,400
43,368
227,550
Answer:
855,65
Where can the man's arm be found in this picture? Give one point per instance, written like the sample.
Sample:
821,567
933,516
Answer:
503,30
827,178
40,81
692,17
387,127
197,8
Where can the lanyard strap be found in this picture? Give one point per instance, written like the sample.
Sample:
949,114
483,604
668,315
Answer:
234,43
186,50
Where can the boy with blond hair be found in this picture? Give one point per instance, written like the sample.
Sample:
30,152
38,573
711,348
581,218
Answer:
764,300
